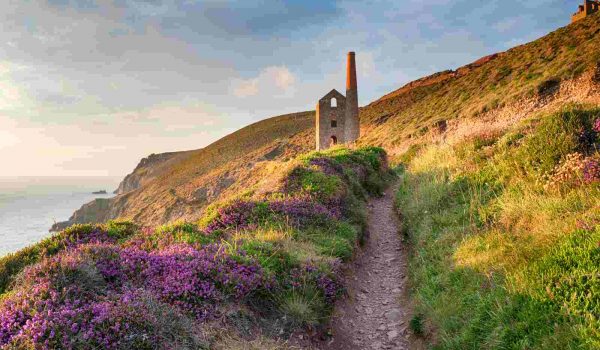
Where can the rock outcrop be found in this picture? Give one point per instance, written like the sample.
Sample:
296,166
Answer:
148,169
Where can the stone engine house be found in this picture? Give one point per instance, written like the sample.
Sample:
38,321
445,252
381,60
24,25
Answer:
589,7
337,115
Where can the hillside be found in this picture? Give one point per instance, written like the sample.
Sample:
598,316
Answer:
150,168
504,234
499,167
180,185
268,263
492,92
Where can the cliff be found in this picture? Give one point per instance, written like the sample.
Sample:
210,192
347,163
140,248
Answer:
149,168
179,185
492,92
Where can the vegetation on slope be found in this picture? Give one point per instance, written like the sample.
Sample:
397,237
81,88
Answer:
182,189
504,226
268,260
532,71
505,236
182,186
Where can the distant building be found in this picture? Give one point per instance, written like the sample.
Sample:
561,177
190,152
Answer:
337,115
589,7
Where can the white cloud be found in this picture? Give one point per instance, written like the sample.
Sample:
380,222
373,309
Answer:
273,80
245,88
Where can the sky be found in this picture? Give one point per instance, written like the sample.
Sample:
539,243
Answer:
89,87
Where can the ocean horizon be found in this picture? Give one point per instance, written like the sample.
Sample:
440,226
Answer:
29,205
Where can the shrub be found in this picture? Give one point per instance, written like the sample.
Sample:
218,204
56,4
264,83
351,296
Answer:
591,171
311,182
12,264
119,286
556,137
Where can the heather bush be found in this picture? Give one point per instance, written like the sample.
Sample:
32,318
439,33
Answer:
74,284
575,171
596,126
308,295
591,171
133,320
246,214
112,231
111,286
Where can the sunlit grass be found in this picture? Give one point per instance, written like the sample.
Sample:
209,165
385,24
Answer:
498,262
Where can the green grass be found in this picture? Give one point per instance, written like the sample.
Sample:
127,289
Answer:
497,261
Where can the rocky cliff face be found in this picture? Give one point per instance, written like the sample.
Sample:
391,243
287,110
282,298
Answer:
148,169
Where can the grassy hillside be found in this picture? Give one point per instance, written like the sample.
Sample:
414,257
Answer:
180,187
499,203
267,263
500,198
494,91
505,236
509,85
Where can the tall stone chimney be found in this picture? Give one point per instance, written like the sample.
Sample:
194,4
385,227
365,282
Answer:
352,126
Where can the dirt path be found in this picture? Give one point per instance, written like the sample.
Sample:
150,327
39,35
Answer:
373,315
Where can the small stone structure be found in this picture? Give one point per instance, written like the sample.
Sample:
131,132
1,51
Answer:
337,115
589,7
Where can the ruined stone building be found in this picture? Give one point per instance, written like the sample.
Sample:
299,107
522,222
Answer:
337,115
589,7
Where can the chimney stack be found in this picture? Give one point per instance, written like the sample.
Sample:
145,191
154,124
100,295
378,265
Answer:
351,72
352,126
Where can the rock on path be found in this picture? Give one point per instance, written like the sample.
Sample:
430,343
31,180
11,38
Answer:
373,317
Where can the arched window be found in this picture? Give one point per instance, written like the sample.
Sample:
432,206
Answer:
333,102
333,141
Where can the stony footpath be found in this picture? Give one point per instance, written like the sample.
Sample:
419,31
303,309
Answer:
375,313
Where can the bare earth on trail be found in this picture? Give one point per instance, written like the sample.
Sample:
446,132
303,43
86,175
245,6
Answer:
375,314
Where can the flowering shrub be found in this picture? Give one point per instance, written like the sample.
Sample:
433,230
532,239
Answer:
298,211
119,286
591,171
327,283
326,165
574,171
237,215
93,283
132,320
596,125
302,211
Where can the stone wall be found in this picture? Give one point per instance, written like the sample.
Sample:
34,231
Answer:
330,120
589,7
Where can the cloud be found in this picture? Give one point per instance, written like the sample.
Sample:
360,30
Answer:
272,81
102,83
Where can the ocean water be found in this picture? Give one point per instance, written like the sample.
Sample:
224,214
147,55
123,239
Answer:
30,205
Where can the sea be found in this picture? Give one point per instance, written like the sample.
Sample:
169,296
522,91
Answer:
30,205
